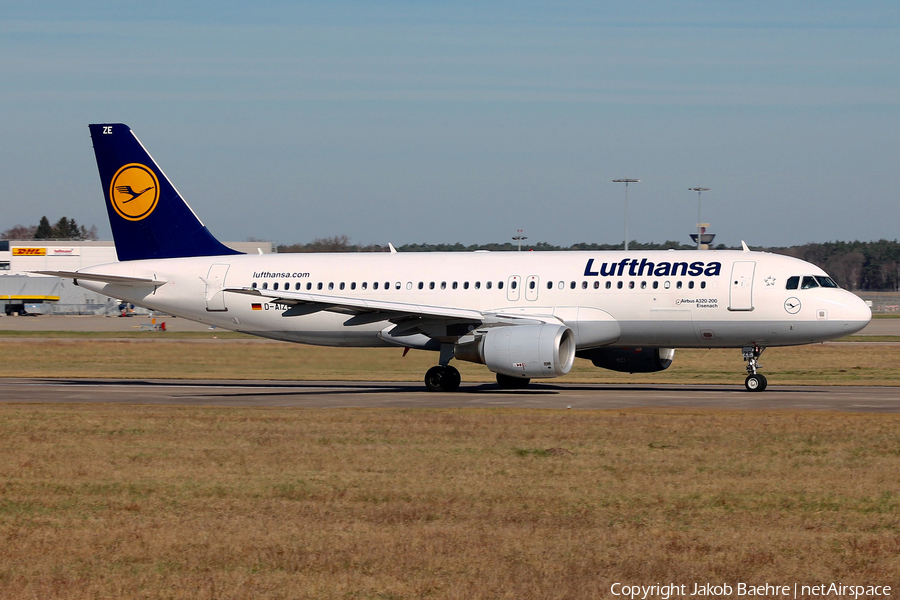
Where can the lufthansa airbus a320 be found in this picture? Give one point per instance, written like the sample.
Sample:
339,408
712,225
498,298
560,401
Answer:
524,315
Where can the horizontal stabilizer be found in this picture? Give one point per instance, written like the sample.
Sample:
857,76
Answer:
114,279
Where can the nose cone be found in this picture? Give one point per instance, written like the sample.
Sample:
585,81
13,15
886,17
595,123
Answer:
856,313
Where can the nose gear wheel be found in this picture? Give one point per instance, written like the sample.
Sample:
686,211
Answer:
755,382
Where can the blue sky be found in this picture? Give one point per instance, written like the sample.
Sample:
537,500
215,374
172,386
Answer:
464,121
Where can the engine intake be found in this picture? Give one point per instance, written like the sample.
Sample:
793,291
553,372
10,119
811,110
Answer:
630,360
526,351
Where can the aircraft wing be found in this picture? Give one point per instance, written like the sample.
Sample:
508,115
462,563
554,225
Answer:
394,310
114,279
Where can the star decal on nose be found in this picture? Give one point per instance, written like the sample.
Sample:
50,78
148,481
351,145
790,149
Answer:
770,281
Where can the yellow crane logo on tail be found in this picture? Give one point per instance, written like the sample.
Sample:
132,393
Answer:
134,191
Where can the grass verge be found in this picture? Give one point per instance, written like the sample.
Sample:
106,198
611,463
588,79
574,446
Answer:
182,502
127,335
823,364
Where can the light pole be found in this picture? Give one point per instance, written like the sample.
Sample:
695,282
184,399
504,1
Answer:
699,191
626,182
519,237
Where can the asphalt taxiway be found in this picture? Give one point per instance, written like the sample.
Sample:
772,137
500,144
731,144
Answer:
321,394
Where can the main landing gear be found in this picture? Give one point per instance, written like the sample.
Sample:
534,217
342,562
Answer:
442,378
754,382
447,379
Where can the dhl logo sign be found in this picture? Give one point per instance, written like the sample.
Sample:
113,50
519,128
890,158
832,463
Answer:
29,252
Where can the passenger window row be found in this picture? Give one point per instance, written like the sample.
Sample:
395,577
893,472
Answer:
309,286
331,286
631,285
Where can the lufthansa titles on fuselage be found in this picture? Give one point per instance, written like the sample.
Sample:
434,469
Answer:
271,275
641,268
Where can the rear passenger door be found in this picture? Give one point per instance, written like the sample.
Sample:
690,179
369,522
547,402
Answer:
215,283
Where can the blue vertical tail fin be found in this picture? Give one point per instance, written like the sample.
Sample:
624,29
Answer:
148,216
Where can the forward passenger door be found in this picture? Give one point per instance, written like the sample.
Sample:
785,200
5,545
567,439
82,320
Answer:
740,296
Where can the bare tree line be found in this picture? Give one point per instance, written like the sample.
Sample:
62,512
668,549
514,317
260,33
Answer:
854,265
64,229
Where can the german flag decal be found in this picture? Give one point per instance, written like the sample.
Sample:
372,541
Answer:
256,306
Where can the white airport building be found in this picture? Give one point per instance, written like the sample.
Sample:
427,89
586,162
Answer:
24,292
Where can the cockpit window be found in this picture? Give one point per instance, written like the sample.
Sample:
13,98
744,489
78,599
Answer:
808,283
793,282
826,282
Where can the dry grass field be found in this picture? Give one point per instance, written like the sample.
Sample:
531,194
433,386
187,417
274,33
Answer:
108,502
232,356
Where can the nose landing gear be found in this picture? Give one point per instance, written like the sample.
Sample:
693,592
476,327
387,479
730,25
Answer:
755,382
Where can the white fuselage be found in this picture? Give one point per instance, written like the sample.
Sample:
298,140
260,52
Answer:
651,298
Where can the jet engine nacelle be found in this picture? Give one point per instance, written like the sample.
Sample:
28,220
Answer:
524,351
630,360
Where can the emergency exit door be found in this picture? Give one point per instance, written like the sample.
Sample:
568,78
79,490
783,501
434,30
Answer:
532,286
512,288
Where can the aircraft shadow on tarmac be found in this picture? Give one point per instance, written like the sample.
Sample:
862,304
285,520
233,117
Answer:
299,388
289,388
